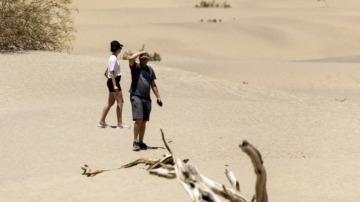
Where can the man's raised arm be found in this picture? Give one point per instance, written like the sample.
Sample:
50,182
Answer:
134,56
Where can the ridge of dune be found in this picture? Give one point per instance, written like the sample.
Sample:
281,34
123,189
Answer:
250,30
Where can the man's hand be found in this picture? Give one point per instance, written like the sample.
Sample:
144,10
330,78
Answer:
159,102
116,88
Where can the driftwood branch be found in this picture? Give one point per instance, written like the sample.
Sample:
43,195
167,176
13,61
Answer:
231,177
255,156
166,159
146,161
166,145
201,188
193,184
340,100
164,165
163,172
91,173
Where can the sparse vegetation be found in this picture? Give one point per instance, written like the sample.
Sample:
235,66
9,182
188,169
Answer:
211,20
152,56
126,55
212,4
155,57
36,25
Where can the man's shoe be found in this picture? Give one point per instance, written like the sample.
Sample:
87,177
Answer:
142,146
136,146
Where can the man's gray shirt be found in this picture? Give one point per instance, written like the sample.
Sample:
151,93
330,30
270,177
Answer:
141,79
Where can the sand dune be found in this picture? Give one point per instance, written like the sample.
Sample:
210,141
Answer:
49,127
252,31
271,72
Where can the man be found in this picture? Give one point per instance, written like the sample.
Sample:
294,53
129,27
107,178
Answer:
142,79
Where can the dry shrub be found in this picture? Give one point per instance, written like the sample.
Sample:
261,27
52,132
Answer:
212,4
36,25
152,56
155,57
127,55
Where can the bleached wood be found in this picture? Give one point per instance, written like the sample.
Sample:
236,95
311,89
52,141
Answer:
255,156
162,172
190,179
148,161
234,182
166,145
165,160
219,189
91,173
201,188
167,166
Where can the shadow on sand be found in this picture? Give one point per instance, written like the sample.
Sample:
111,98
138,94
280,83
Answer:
149,147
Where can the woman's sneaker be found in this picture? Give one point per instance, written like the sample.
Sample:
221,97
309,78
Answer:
142,146
136,146
102,125
122,126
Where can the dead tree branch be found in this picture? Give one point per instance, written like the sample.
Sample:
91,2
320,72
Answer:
231,177
166,145
255,156
340,100
201,188
164,165
91,173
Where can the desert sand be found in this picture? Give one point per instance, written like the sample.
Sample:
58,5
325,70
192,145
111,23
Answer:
282,74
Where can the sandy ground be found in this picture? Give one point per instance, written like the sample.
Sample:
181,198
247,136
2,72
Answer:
271,72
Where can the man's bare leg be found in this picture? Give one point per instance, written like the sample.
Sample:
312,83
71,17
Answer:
137,127
142,131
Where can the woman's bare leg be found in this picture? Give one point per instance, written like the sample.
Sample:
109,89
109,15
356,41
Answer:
120,103
108,105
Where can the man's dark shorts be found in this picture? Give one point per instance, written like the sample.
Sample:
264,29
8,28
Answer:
141,107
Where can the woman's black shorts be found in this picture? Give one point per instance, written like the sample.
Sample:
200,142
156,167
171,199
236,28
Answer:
111,86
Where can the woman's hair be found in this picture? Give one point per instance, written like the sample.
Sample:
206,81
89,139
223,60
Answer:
113,49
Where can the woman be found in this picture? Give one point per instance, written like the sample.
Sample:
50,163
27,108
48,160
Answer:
113,83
